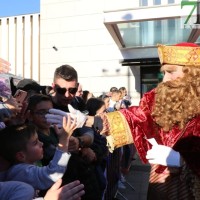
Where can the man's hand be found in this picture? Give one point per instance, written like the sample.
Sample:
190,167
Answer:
163,155
71,191
56,116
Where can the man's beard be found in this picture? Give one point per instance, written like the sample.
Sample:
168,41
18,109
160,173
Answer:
176,102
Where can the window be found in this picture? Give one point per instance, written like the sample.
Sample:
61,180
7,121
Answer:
171,1
149,33
157,2
150,77
157,31
143,2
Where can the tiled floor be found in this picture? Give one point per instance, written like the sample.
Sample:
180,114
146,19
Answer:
138,178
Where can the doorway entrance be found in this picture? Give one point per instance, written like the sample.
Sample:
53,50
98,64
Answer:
150,77
150,74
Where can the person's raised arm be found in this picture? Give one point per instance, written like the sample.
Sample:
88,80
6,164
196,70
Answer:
65,133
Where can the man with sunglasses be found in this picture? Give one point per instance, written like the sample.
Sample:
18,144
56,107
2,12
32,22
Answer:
65,86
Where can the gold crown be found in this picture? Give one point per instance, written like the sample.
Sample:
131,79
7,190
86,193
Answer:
179,55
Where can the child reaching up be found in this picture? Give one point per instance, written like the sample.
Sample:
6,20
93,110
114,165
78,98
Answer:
21,147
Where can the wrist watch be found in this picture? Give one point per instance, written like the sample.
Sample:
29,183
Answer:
81,143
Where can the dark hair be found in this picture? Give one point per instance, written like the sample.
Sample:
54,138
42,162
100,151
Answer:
122,88
29,85
103,96
85,95
47,90
66,72
35,99
14,139
116,92
113,89
94,104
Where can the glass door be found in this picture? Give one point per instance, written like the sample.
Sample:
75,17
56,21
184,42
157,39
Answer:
150,77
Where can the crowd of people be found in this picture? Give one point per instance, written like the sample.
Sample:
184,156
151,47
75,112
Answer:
55,143
42,155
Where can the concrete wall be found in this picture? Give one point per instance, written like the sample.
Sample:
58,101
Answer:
76,28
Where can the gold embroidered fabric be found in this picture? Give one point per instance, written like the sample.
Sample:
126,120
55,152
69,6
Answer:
119,133
179,55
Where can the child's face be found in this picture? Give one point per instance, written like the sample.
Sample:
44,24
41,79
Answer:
34,150
38,115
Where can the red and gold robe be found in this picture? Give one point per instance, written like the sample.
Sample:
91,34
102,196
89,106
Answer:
165,182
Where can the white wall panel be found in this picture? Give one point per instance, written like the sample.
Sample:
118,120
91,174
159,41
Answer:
92,37
35,47
110,5
59,9
105,52
51,26
12,43
4,39
88,22
85,7
19,47
27,47
19,44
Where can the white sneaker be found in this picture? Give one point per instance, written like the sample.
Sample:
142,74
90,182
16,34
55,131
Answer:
121,185
122,179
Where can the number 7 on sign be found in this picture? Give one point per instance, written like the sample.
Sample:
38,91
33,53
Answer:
195,4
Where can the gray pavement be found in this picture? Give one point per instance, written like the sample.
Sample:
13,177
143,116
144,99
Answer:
137,178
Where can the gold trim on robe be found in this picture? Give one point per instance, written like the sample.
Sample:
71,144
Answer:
119,133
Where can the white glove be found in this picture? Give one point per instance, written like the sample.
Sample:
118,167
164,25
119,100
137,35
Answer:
77,115
56,117
163,155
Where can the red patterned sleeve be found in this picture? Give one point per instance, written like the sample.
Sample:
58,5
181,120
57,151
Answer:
141,123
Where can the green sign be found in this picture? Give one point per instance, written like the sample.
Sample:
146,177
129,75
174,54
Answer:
194,5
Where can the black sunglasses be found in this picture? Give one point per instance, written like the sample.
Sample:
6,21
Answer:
62,91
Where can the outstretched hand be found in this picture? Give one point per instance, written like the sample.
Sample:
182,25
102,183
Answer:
71,191
78,116
55,116
67,127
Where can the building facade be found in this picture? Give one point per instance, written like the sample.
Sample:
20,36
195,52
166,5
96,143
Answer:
109,42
